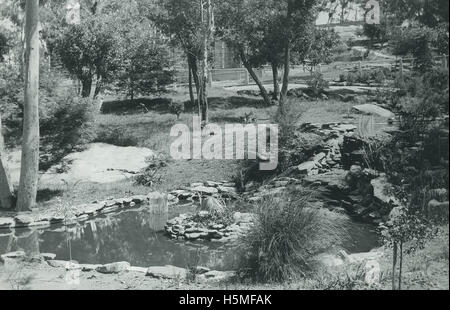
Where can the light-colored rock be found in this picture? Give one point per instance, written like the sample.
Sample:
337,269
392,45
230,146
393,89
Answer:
372,272
382,190
58,263
47,256
6,222
113,267
138,269
205,190
100,163
167,272
89,267
306,167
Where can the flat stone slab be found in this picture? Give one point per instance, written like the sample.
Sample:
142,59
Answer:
100,163
167,272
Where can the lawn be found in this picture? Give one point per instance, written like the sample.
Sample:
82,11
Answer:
147,123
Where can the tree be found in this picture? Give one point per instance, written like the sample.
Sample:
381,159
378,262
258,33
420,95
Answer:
6,190
88,52
405,232
180,21
4,46
30,141
298,19
321,49
253,30
143,55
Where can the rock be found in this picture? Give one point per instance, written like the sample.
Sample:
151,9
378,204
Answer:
23,219
213,184
329,261
182,194
12,255
167,272
345,127
58,263
192,236
205,190
88,267
227,190
306,167
139,199
319,157
47,256
113,268
6,222
372,272
138,269
360,258
382,189
197,184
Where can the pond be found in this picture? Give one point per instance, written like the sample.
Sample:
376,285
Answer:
137,236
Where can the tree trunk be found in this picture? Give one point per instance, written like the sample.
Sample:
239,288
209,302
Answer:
30,141
276,85
258,82
287,61
191,91
6,189
98,87
86,85
194,68
394,264
400,267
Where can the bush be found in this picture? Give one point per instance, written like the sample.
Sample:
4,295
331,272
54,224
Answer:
176,107
115,136
317,84
285,238
66,124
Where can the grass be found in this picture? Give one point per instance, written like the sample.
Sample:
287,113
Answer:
129,124
286,238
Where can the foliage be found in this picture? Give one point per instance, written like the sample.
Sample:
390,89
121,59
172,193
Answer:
65,126
416,42
151,174
317,84
285,238
115,136
176,107
376,32
366,76
4,45
322,46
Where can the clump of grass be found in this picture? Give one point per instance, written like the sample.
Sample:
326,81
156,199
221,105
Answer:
285,239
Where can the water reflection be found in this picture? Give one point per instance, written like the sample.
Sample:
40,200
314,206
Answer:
136,236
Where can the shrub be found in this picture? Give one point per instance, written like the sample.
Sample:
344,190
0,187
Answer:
115,136
285,238
66,124
176,107
317,84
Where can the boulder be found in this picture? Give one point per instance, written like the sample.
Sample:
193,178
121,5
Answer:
113,268
306,167
6,222
382,190
167,272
